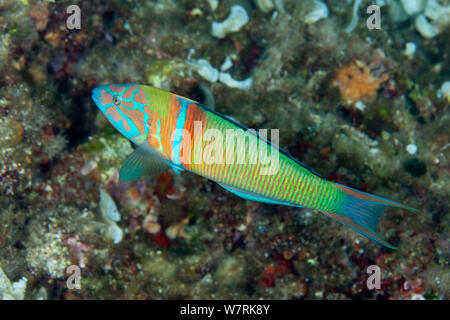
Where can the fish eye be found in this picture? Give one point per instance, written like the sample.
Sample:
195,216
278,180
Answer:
116,100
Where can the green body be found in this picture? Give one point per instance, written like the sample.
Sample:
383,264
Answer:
292,183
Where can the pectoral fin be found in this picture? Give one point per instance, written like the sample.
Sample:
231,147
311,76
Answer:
141,162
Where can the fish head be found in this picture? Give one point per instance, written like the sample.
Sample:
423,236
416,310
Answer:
122,105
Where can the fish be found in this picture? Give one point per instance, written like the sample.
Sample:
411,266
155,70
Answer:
171,131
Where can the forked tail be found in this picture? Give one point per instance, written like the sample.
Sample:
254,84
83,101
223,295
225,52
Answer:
361,212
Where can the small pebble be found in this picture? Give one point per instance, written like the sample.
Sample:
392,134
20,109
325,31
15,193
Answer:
88,168
360,106
445,90
410,49
411,148
197,12
151,224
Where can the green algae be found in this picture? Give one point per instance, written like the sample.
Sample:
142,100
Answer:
161,71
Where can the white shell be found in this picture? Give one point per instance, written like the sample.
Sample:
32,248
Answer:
108,208
318,12
426,29
236,20
433,20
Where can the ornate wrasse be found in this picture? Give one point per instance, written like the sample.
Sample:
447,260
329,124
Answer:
172,130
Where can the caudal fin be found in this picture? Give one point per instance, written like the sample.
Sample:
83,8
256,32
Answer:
361,211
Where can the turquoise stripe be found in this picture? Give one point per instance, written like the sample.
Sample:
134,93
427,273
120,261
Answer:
120,125
176,144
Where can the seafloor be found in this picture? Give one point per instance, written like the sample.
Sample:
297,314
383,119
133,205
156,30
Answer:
358,105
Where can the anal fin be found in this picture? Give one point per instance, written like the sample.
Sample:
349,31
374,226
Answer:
177,169
247,195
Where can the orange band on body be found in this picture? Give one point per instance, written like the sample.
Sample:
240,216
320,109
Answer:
117,117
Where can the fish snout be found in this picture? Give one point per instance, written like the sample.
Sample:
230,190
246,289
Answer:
96,95
101,97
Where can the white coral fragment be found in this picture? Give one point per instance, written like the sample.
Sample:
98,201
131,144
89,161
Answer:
236,20
110,215
354,21
431,17
227,64
108,207
12,291
318,11
265,6
413,7
226,79
208,72
205,69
